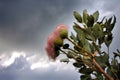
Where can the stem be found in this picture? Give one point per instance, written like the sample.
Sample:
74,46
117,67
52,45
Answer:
101,70
79,47
77,52
73,50
67,53
63,51
74,43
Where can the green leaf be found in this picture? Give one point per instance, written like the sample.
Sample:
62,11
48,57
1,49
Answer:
90,21
116,54
99,76
109,20
80,34
70,54
64,60
118,51
100,40
77,16
85,70
113,24
81,40
109,72
92,48
114,64
103,60
85,15
118,73
78,29
89,37
97,31
87,46
96,16
88,34
108,25
108,39
96,47
106,57
85,77
101,22
78,64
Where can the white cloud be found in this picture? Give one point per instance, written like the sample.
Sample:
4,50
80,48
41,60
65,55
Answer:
8,60
43,63
57,65
27,68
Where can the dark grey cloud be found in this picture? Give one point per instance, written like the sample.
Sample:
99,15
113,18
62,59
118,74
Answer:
20,70
24,24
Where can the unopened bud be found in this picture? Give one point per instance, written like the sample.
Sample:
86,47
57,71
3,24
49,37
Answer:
58,42
65,46
63,33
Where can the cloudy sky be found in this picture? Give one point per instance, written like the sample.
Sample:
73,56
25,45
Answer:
24,26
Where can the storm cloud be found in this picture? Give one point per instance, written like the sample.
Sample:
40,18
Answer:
24,27
25,24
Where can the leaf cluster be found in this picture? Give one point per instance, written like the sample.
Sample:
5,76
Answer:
90,35
93,30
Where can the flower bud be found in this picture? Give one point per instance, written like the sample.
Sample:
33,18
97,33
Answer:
58,42
65,46
63,33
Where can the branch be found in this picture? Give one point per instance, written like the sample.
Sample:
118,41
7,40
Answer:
101,70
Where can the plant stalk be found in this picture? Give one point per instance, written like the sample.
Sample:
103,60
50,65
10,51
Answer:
80,47
101,70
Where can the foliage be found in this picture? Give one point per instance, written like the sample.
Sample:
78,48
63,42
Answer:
86,51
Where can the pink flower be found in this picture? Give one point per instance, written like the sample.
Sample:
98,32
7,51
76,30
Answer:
50,46
50,52
60,28
55,41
